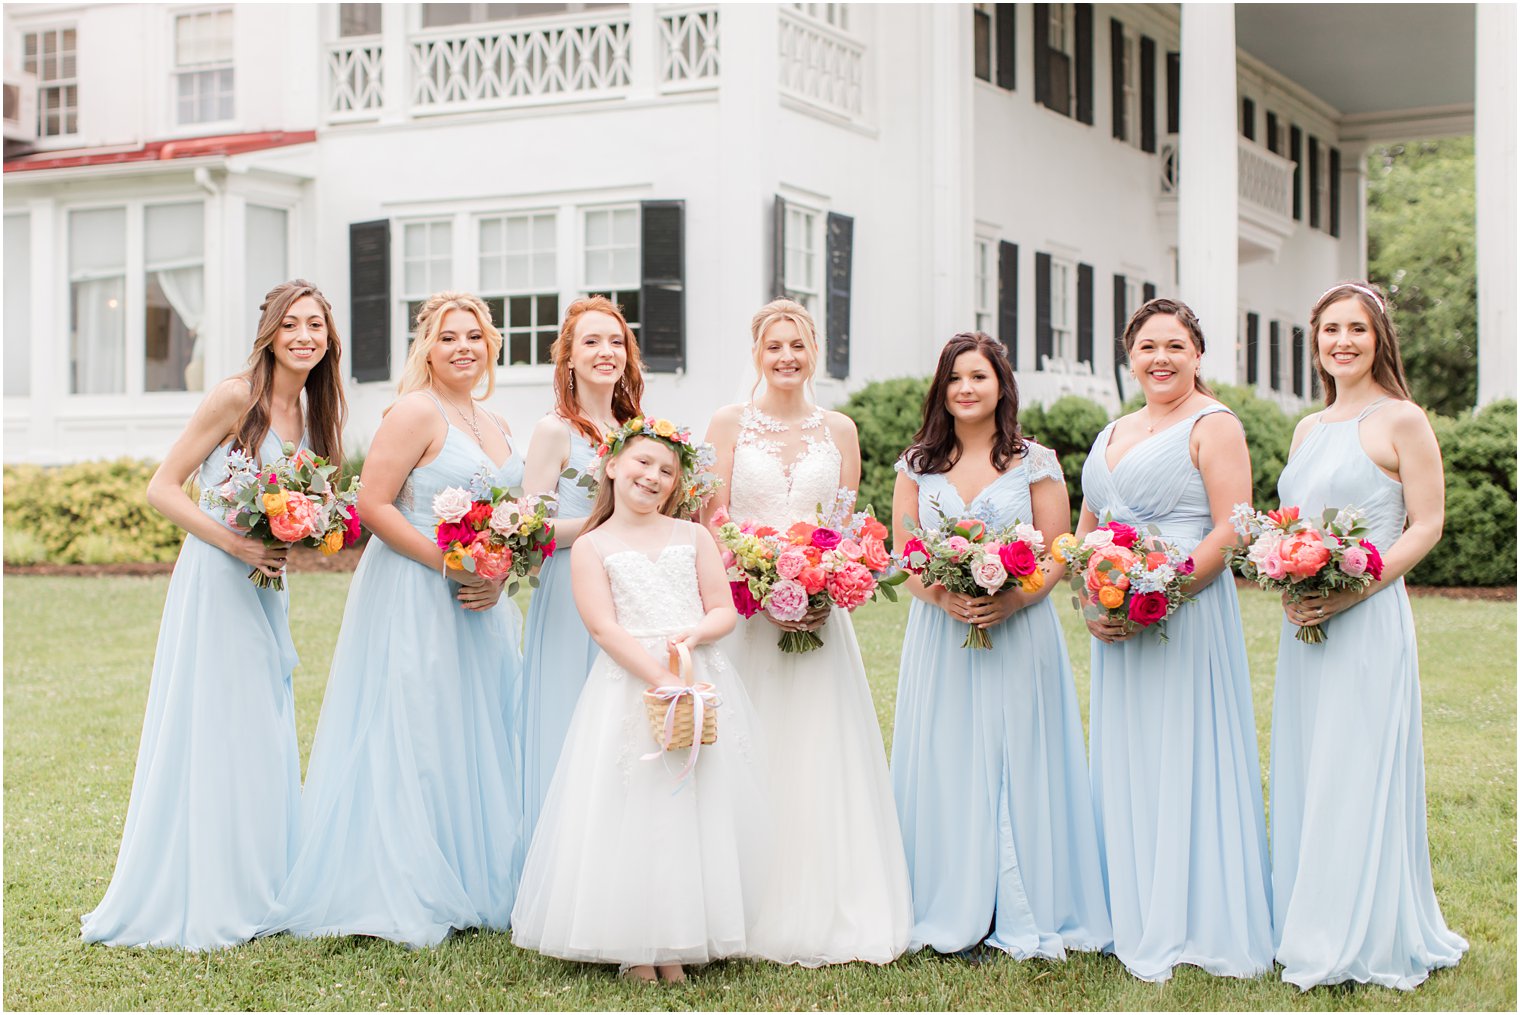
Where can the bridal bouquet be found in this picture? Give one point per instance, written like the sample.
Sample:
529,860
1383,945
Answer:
841,561
291,500
494,532
1283,553
966,557
1119,573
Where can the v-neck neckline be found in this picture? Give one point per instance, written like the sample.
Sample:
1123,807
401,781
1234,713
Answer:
483,453
988,486
1144,440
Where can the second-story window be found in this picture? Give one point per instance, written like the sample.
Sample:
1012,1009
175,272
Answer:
518,270
610,258
1131,87
358,20
985,283
981,40
1063,310
1062,40
50,55
203,67
803,267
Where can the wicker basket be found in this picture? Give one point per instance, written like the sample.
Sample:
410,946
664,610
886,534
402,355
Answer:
657,707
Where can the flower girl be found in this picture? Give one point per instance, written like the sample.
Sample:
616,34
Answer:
646,857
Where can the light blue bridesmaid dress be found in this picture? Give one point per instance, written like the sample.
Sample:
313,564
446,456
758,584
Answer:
1175,769
211,826
409,817
557,654
988,766
1351,886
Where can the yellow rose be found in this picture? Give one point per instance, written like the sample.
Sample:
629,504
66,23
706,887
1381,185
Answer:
636,423
1034,581
332,542
274,503
1064,544
454,559
1110,597
664,427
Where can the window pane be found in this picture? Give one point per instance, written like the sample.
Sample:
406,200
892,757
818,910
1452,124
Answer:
545,346
518,274
97,336
98,241
18,305
174,304
543,232
440,236
174,233
598,233
521,310
625,227
358,19
982,44
520,348
543,270
548,309
266,245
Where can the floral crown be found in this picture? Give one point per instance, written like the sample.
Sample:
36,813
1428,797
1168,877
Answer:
677,438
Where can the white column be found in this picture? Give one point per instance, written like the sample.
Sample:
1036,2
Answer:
395,60
1495,150
1353,245
1208,200
644,50
949,225
50,318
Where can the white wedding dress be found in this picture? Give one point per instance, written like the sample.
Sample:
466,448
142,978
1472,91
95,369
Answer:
838,890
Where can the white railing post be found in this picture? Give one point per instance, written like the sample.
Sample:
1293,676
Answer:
644,48
393,61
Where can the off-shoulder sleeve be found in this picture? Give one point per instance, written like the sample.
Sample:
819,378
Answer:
1042,463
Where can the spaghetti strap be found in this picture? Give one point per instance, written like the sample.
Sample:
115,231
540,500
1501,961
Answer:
1372,407
441,411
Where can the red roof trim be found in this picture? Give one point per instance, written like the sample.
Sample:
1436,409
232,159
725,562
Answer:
158,151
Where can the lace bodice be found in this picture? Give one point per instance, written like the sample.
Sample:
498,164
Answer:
658,597
767,490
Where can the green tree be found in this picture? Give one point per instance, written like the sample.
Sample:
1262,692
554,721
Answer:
1422,248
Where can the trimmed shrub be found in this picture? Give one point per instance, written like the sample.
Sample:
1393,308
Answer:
1068,426
887,414
1478,545
89,513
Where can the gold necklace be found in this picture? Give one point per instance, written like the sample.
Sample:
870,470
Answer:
474,426
1152,427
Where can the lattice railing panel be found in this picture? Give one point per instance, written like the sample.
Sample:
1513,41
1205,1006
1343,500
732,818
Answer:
355,79
497,64
821,65
688,46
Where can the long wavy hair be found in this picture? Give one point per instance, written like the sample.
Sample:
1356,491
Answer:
606,497
935,447
1387,364
773,313
1185,317
627,395
418,372
326,406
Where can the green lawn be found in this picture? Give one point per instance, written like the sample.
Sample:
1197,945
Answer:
77,657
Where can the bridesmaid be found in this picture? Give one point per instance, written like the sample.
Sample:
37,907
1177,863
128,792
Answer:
211,826
987,754
409,815
598,385
1175,770
1351,885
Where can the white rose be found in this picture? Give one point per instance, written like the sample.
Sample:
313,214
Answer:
451,503
1029,536
501,516
989,573
1098,538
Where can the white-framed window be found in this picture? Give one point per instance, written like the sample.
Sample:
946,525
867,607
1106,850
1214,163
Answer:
984,283
1131,84
519,280
174,295
803,261
203,66
97,301
1274,135
1062,43
356,20
982,50
427,263
1063,309
610,251
837,15
51,55
18,305
1134,295
1322,190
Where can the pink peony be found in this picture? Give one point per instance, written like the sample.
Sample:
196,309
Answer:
1354,561
988,572
813,579
912,546
1303,554
1187,567
744,600
297,521
1124,535
873,554
787,601
1147,608
825,539
851,585
1374,560
492,563
1272,566
957,545
1018,558
791,563
851,549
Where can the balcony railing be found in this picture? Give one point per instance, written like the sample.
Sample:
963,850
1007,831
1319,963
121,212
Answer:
821,65
527,61
1265,188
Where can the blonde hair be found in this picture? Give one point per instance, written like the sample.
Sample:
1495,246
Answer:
606,497
769,316
418,373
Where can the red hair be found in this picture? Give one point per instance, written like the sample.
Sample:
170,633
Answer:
627,394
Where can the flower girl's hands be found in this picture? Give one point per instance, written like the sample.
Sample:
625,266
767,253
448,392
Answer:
691,638
268,559
480,596
1111,631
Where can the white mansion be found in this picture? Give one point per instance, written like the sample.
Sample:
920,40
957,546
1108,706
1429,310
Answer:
905,170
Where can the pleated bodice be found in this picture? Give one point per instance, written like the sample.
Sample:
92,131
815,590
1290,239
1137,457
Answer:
1331,469
575,500
458,463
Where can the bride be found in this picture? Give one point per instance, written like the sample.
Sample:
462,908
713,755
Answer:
839,883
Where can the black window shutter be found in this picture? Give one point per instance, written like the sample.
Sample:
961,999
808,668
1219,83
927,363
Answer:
1274,358
369,299
1085,313
1314,216
1121,318
1116,75
1273,145
1248,118
1298,362
1147,93
1042,54
1005,45
662,296
841,244
1296,153
1044,343
1008,299
1253,344
1149,292
1313,369
1335,192
1084,60
1173,91
778,248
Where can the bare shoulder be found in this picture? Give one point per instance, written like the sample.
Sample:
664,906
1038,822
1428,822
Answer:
411,408
726,419
231,394
840,425
1219,425
551,430
1406,419
1309,422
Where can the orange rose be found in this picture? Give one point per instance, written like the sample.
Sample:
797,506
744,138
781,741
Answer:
871,527
1110,597
332,542
1034,581
1154,560
801,533
274,503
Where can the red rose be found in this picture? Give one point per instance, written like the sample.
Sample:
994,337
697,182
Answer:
912,546
351,527
1147,608
1374,560
479,515
454,532
1124,535
744,600
548,550
1018,558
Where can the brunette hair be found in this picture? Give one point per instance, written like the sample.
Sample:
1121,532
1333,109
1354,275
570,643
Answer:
1387,364
418,372
1184,315
773,313
606,498
935,447
629,390
326,406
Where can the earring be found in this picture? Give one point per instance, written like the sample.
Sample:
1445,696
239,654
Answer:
572,380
